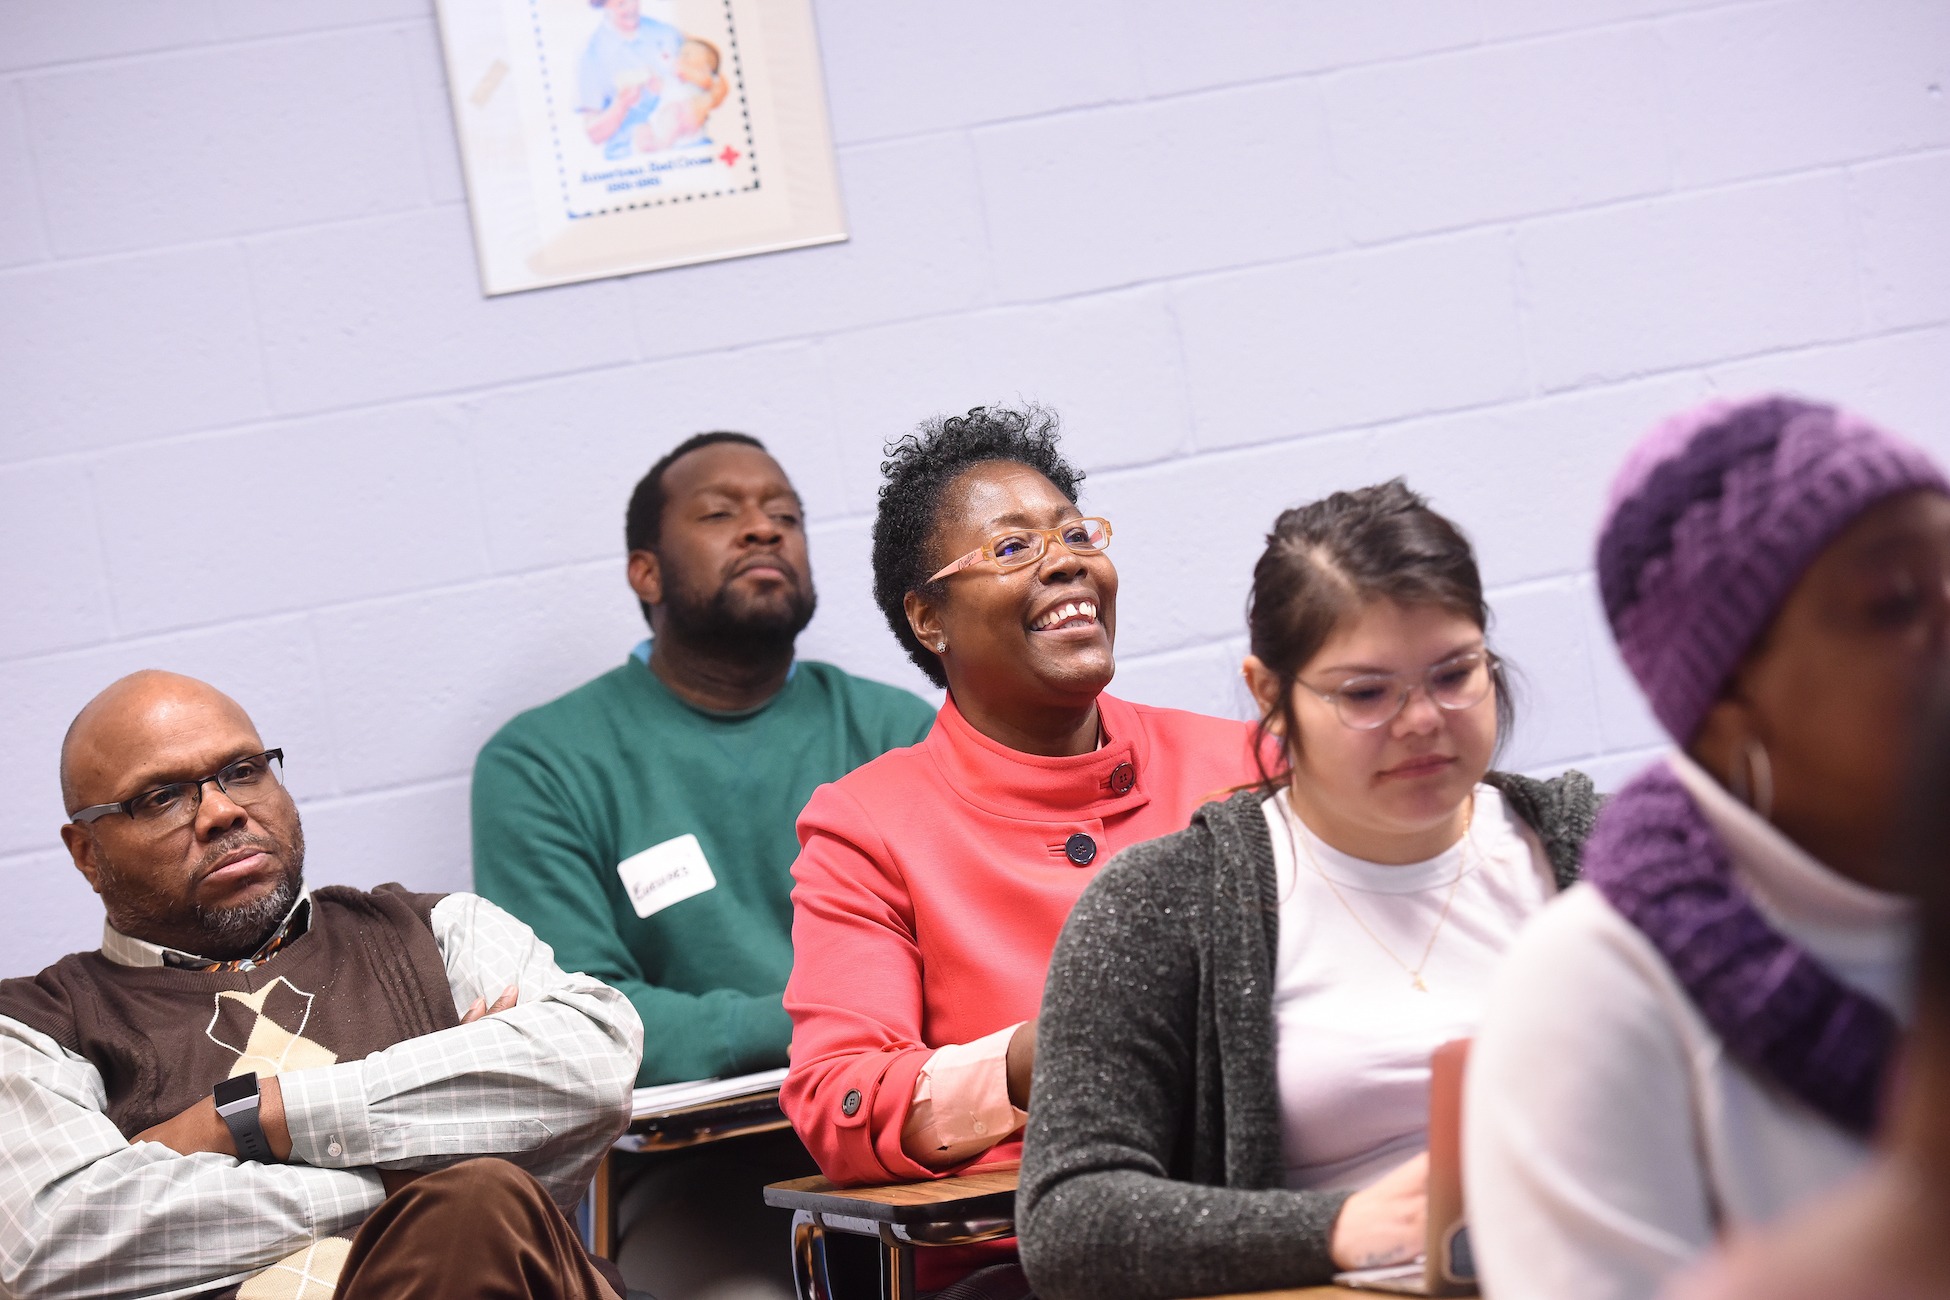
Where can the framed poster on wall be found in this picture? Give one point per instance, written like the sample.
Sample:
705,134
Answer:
604,137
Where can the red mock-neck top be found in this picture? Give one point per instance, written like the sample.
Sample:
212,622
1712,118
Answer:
929,890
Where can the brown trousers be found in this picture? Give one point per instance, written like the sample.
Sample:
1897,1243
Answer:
478,1230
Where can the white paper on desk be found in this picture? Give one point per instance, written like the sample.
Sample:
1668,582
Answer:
665,1097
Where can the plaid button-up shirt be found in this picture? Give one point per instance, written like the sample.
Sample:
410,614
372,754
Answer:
545,1084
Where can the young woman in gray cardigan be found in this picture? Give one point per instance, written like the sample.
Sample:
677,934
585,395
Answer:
1232,1075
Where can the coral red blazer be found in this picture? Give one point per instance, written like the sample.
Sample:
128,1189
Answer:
930,887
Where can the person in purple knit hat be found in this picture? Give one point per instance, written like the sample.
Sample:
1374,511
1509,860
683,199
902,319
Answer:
1698,1038
1881,1235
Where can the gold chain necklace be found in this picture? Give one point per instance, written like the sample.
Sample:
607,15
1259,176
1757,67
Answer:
1462,866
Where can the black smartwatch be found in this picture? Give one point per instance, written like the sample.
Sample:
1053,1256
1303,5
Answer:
236,1100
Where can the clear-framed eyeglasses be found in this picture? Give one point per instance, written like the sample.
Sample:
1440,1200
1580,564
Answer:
1460,682
1019,546
246,781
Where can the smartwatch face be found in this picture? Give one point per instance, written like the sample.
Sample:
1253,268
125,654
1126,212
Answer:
234,1090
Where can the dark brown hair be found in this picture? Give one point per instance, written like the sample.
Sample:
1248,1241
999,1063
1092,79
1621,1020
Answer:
1327,559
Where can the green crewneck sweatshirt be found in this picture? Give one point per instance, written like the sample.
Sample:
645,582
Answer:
577,803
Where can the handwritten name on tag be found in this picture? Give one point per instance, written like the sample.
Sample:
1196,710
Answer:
666,873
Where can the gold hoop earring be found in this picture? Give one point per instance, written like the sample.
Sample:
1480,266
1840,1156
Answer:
1753,779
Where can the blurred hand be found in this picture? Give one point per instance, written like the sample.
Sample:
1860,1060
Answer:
1386,1223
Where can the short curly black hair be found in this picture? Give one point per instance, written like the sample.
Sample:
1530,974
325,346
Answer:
918,469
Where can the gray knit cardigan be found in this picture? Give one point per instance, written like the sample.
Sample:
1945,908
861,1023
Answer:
1153,1163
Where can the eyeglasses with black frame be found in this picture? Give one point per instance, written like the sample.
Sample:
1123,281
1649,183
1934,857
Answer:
1375,700
247,781
1015,547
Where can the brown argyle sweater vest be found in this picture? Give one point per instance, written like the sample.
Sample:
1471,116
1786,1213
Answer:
366,974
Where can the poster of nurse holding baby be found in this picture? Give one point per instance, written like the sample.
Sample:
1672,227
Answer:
645,87
606,137
645,102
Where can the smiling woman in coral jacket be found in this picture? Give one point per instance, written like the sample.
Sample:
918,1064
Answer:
931,883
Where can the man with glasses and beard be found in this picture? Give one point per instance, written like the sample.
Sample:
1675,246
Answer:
643,824
278,1094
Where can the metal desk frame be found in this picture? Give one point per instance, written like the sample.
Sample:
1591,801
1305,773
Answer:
674,1130
947,1212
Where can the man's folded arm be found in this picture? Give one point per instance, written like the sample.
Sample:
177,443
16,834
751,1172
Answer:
84,1212
545,1084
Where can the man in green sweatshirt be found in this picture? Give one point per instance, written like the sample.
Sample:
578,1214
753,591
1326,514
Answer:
642,824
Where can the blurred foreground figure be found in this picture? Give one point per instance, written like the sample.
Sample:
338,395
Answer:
1697,1040
246,1073
1886,1235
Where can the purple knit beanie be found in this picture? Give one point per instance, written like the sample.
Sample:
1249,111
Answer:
1713,518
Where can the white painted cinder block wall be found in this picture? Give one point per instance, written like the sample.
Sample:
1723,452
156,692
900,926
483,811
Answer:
257,422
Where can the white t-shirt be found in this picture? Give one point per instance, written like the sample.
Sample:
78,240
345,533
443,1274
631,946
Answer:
1354,1034
1609,1136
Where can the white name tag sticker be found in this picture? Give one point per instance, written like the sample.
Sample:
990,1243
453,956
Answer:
666,873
